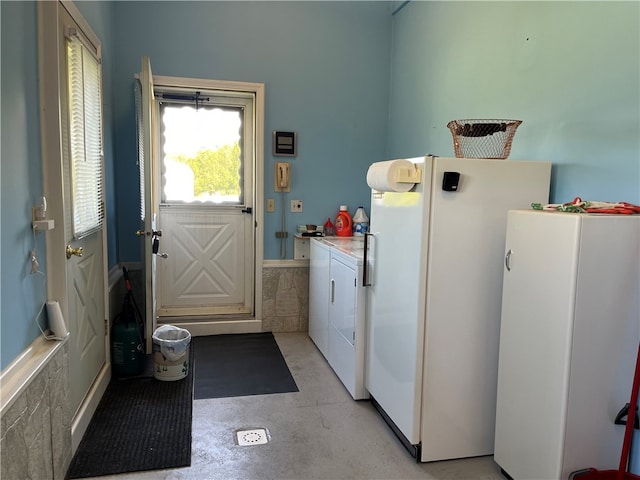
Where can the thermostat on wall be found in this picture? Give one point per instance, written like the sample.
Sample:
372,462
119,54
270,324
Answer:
284,144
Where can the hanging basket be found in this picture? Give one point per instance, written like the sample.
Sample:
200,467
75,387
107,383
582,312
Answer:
483,138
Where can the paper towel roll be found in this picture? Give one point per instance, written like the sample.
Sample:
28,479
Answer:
383,176
56,321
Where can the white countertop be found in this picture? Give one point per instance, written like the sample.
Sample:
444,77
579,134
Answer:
352,246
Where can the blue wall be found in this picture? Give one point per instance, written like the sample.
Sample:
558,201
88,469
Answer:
325,66
569,70
325,69
22,293
21,171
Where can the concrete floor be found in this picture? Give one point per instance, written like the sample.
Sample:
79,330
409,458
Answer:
316,433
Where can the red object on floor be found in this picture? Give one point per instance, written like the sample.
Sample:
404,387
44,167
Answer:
621,473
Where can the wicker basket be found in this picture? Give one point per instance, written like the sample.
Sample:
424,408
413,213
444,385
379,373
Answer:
483,138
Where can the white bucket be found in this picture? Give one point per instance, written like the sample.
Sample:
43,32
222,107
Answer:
171,353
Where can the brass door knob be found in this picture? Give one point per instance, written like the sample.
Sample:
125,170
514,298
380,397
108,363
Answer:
74,251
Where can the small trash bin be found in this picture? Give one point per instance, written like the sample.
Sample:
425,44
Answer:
171,353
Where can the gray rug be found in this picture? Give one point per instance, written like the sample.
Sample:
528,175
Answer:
238,365
141,424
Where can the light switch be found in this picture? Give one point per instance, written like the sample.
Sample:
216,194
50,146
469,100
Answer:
271,205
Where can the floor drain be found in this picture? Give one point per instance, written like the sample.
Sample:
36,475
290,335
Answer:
254,436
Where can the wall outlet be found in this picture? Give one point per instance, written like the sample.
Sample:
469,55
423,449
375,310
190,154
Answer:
296,206
271,205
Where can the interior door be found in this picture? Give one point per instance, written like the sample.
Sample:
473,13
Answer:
150,236
83,206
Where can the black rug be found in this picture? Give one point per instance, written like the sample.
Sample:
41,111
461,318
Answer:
140,424
238,365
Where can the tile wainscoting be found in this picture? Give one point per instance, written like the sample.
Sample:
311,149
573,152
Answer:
285,297
36,417
36,425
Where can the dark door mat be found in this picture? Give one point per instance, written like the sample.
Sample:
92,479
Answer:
238,365
140,424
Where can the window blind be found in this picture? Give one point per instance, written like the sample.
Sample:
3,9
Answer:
137,90
85,134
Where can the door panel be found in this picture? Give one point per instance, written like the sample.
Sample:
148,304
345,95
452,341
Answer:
535,334
205,269
85,291
342,309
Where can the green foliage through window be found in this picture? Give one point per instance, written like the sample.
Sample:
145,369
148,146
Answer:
215,171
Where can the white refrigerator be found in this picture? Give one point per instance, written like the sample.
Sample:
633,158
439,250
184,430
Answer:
434,275
568,341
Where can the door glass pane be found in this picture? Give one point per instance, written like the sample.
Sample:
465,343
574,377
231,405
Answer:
85,137
202,158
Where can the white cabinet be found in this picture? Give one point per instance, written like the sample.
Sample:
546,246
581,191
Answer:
319,283
337,308
568,341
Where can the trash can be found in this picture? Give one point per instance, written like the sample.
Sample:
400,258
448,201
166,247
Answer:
171,353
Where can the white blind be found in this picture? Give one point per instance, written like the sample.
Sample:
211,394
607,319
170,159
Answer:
85,128
140,140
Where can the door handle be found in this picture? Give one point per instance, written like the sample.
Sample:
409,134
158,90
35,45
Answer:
155,233
507,260
247,210
163,255
366,282
333,290
78,252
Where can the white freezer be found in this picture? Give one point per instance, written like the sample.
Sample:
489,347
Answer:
435,264
568,341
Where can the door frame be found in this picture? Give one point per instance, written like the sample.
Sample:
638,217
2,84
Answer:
232,324
53,178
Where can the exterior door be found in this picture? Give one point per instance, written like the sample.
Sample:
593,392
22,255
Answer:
148,211
74,170
206,166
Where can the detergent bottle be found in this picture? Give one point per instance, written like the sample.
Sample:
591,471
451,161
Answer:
360,222
328,229
344,224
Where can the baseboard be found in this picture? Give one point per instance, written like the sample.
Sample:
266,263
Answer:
218,327
285,264
88,408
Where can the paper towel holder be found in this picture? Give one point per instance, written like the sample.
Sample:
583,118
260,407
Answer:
409,175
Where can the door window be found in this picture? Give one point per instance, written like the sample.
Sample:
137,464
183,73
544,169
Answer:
203,157
85,136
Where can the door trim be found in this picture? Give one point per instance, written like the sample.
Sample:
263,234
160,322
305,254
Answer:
239,324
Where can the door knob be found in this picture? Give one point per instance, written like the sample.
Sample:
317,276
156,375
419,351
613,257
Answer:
140,233
74,251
